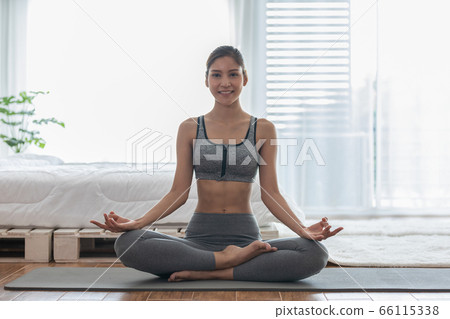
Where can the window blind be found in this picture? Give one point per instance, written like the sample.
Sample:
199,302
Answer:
308,65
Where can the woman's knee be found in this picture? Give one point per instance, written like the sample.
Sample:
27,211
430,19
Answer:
125,241
316,254
319,255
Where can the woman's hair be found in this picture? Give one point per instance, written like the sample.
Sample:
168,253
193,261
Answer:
225,50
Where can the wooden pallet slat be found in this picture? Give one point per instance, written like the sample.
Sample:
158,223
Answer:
66,231
66,245
88,232
18,232
3,231
37,242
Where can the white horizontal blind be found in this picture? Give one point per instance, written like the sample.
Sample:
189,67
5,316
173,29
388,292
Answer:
308,98
308,65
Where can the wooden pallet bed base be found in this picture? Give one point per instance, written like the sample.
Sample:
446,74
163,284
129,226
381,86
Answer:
80,244
37,242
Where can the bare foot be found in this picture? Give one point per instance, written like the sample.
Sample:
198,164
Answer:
224,274
234,255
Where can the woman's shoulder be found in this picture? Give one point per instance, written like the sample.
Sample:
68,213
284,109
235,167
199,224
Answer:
264,123
265,129
189,122
188,126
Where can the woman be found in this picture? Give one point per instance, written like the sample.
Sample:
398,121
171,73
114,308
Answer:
222,239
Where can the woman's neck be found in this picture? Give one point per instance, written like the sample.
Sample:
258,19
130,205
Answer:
227,113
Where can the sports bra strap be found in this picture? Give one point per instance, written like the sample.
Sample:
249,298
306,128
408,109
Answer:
251,130
200,128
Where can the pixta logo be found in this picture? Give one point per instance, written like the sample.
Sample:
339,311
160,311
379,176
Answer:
149,150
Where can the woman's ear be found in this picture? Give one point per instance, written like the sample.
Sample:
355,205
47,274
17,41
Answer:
245,77
206,83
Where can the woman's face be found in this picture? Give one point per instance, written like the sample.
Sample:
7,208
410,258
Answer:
226,80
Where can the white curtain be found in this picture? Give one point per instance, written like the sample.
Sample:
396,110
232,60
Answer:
414,106
247,30
13,32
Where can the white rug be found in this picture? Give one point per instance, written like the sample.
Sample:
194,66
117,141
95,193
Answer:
388,242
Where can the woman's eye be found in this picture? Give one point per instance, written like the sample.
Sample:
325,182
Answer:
234,74
215,75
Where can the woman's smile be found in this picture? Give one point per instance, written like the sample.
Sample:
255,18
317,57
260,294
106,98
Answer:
227,92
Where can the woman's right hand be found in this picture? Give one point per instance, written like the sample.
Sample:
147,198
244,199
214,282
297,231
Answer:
116,223
320,231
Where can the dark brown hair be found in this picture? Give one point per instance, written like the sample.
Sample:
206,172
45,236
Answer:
225,50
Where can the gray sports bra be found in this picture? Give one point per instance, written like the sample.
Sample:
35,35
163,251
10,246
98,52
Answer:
225,162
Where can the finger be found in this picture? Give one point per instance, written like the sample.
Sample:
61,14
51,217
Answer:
337,230
116,226
319,237
324,224
94,222
326,232
109,223
98,224
334,232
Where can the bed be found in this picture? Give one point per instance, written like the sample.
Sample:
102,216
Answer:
48,204
43,191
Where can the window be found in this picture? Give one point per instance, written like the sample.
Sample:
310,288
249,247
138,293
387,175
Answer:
319,110
366,85
308,65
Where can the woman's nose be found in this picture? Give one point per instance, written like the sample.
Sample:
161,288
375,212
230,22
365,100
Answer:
225,81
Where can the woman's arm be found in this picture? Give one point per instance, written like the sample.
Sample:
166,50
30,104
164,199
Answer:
179,192
270,193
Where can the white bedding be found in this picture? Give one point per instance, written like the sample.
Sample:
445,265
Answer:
42,191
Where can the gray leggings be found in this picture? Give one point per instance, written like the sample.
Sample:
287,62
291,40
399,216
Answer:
160,254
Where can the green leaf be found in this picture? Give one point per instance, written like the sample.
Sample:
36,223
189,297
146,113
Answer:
31,133
7,100
11,123
39,92
45,121
12,113
12,142
31,136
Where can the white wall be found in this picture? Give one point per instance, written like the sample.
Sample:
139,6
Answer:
114,68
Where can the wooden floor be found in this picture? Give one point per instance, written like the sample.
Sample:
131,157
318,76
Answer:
11,271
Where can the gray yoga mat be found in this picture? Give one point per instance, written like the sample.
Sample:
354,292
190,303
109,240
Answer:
329,279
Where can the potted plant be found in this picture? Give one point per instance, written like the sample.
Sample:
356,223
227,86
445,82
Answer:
17,115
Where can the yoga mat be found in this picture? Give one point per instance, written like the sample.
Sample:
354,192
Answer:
329,279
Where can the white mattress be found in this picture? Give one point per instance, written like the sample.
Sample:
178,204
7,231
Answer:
42,191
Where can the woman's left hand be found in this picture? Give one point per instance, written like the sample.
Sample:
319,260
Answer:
320,231
116,223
